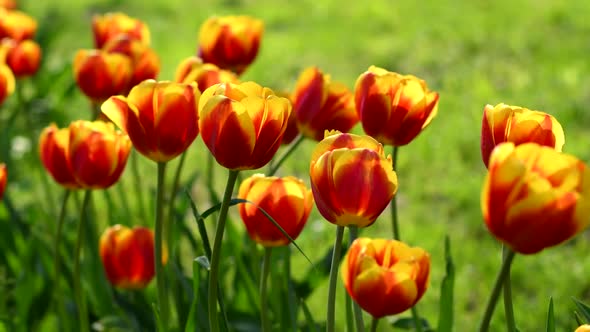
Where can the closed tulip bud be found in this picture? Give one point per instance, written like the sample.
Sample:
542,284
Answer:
160,118
7,82
23,57
385,277
101,75
230,42
393,108
3,179
16,25
583,328
128,256
90,155
535,197
504,123
286,199
242,124
351,179
320,104
111,25
192,69
145,63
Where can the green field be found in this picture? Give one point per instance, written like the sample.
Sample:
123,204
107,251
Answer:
528,53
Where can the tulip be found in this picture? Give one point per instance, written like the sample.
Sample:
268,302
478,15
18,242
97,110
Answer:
535,197
160,118
101,75
286,199
583,328
16,25
351,179
385,277
23,57
504,123
230,42
128,256
3,179
242,124
192,69
145,63
90,155
111,25
7,82
320,104
8,4
393,108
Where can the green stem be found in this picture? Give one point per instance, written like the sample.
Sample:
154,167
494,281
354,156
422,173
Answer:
374,324
274,167
504,271
266,326
508,309
57,261
394,222
416,319
138,186
209,178
175,185
216,252
159,252
330,319
349,313
353,232
80,301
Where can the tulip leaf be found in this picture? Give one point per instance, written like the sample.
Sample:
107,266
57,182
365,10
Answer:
445,315
407,323
192,321
583,309
157,317
311,325
550,317
203,261
201,224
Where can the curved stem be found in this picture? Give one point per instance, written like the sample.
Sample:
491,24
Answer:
57,261
358,313
80,301
274,167
374,324
504,271
159,252
266,326
508,310
216,252
330,320
394,222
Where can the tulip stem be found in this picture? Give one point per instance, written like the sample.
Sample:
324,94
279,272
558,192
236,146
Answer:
508,310
374,323
330,320
504,271
274,167
216,252
394,222
266,326
159,252
416,319
80,301
353,232
138,187
57,261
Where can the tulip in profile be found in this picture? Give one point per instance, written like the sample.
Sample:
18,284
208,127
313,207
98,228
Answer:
160,118
3,179
504,123
351,179
16,25
242,124
112,25
286,199
23,57
393,108
127,256
535,197
385,277
230,42
320,104
192,69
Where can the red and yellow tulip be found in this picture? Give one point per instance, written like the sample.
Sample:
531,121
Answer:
160,118
393,108
351,179
192,69
242,124
535,197
23,57
90,155
320,104
583,328
286,199
16,25
145,63
230,42
385,277
3,179
127,256
505,123
7,82
112,25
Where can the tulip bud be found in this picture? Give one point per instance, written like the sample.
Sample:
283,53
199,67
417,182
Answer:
7,82
351,179
385,277
111,25
393,108
286,199
145,63
16,25
23,57
192,69
534,197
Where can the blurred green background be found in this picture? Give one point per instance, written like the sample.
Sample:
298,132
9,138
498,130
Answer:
521,52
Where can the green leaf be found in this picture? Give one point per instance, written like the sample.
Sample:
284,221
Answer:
550,317
308,317
583,309
407,323
191,323
445,312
